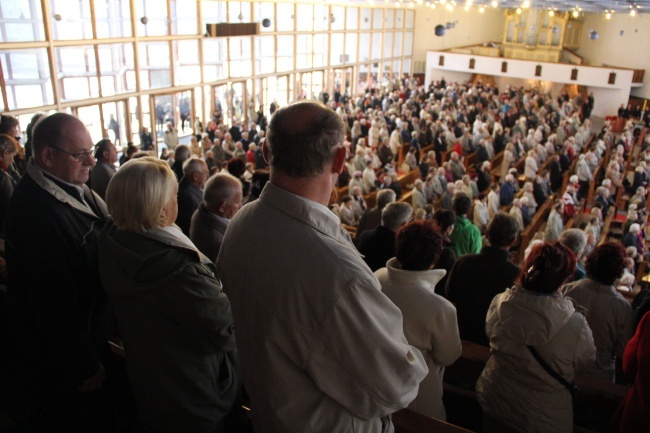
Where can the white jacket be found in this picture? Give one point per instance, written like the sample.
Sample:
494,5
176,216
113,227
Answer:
430,324
322,348
513,387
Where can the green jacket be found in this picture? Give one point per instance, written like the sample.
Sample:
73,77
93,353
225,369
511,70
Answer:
466,238
176,325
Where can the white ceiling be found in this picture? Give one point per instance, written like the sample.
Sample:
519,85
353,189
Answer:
614,6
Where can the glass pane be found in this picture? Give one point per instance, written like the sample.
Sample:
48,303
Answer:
320,17
185,17
113,18
71,19
406,66
285,17
397,44
304,52
188,70
352,20
376,45
337,49
363,78
115,111
305,12
240,57
284,54
408,43
114,60
377,19
265,55
238,12
19,22
265,10
396,64
214,58
389,19
350,48
388,44
77,71
366,18
410,19
91,118
364,46
399,19
154,65
320,50
386,75
213,12
337,18
152,17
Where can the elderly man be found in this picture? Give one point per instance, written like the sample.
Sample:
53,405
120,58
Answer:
457,168
378,245
171,137
371,217
190,191
308,308
58,312
222,198
103,171
418,197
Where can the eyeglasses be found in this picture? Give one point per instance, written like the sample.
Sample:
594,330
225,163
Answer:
78,156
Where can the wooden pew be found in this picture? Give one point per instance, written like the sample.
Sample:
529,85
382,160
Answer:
538,220
600,396
608,222
407,421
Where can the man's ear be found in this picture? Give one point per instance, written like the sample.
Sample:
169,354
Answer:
339,160
265,152
47,156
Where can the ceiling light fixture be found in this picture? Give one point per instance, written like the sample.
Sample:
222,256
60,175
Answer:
633,12
481,9
575,14
525,4
495,3
608,16
551,13
518,11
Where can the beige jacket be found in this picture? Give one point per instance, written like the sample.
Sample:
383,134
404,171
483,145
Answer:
322,348
514,388
430,324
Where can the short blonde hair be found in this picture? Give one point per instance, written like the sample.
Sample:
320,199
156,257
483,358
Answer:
138,192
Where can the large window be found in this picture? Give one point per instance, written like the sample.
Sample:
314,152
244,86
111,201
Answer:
116,57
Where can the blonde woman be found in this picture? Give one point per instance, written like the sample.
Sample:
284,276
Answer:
173,316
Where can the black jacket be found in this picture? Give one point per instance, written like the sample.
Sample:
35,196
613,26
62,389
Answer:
59,314
189,198
473,282
377,246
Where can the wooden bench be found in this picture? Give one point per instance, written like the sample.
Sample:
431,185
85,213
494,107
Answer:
608,222
600,396
538,220
407,421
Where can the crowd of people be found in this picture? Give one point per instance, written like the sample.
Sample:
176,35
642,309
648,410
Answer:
276,306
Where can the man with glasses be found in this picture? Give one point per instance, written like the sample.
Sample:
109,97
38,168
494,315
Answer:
190,191
58,313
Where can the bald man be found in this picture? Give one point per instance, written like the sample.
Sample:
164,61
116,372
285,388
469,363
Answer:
306,306
222,198
59,314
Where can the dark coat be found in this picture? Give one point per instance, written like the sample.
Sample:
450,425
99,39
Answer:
473,282
58,312
177,329
189,198
377,245
370,219
206,231
506,194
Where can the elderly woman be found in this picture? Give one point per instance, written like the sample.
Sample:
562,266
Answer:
554,224
173,316
430,321
516,393
609,314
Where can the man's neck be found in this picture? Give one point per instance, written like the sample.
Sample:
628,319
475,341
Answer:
316,189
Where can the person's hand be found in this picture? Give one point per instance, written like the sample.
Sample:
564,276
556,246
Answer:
95,381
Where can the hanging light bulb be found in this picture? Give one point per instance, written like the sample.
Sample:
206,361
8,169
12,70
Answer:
481,9
518,11
466,8
633,12
442,2
608,16
495,3
525,4
575,14
551,13
449,7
